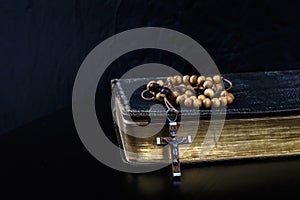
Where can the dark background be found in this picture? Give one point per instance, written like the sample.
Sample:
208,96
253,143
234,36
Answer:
42,45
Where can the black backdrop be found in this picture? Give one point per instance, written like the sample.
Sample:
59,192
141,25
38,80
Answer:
43,44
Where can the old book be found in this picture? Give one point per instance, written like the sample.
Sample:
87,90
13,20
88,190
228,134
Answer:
263,121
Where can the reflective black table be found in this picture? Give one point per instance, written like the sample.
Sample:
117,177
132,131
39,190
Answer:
46,158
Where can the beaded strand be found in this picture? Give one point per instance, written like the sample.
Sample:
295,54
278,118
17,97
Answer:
196,91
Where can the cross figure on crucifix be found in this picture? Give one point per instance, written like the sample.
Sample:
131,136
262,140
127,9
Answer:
174,141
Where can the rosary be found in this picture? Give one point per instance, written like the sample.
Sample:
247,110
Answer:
200,92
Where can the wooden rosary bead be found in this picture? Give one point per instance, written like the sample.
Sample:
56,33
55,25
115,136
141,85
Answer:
158,97
188,102
201,97
148,85
218,87
223,93
160,83
223,101
193,97
229,98
215,102
166,91
175,94
186,79
182,88
230,94
171,80
206,103
209,93
189,87
153,87
201,80
208,84
193,79
209,79
180,99
189,92
197,103
178,79
217,79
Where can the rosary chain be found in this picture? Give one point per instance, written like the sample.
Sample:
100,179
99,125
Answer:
196,91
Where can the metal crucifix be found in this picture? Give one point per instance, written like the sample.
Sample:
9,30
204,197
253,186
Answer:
174,141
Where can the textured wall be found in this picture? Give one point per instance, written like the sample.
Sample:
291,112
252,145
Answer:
42,43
